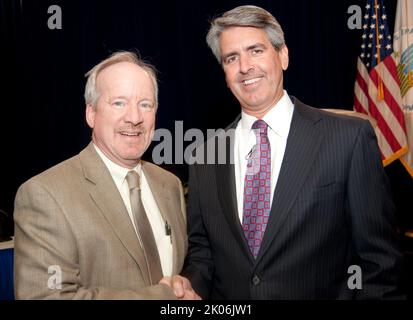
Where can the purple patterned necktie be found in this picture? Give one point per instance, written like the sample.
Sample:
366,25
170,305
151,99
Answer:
257,189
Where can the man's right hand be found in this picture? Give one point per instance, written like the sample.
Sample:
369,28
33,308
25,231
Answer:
181,287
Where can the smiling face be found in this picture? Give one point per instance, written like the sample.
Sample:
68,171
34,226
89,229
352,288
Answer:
253,68
123,119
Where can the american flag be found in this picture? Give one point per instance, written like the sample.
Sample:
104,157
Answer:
377,88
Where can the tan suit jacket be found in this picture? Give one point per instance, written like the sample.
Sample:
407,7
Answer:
73,217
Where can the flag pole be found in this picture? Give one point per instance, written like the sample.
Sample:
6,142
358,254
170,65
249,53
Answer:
409,72
380,91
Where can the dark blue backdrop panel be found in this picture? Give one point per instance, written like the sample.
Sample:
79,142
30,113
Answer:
6,274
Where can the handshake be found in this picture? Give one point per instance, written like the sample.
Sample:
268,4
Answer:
181,287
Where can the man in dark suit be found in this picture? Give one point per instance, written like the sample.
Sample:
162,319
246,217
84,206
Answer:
303,210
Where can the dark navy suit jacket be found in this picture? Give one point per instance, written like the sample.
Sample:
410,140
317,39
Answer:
331,209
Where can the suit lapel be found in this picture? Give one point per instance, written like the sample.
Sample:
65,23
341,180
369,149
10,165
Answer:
106,196
226,188
169,211
303,143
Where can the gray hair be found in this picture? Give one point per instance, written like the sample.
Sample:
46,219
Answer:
91,92
245,16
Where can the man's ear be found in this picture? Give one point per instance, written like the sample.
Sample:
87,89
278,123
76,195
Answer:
284,57
90,115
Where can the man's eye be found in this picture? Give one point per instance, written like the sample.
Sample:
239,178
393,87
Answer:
146,105
231,59
256,51
119,104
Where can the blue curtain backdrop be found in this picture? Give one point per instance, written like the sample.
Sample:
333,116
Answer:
6,274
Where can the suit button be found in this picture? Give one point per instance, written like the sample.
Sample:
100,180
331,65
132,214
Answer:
255,280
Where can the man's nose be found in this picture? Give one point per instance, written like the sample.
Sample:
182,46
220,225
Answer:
245,64
133,114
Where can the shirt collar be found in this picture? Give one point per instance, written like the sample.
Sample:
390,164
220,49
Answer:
278,117
117,172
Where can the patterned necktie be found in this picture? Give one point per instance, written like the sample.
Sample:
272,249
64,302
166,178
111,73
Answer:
150,249
257,189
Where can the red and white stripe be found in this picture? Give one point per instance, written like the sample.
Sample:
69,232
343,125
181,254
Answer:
391,128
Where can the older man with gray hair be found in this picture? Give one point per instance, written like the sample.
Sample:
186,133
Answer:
104,224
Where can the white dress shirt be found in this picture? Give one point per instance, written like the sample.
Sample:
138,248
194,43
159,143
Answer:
279,121
163,241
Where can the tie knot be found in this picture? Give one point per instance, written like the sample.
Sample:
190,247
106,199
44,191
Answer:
133,180
260,126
